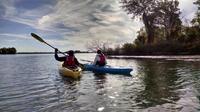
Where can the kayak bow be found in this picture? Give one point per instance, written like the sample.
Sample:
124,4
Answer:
73,73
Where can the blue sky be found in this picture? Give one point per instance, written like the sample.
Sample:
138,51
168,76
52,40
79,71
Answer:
69,24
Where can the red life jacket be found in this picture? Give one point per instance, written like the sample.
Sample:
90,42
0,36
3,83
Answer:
102,59
69,61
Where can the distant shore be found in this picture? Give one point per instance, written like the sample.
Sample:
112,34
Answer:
49,52
35,53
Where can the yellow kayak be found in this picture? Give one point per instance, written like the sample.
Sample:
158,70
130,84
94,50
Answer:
73,73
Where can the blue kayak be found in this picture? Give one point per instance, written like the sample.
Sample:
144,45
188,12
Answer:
107,69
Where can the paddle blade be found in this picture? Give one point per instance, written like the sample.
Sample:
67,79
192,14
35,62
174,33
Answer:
37,37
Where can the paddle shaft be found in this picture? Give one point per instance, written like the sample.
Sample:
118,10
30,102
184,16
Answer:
86,60
54,48
41,40
92,62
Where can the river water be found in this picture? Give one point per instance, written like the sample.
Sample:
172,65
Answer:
32,83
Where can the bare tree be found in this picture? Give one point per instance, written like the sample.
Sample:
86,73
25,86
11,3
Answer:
97,44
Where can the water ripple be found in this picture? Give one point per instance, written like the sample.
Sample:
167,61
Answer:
156,85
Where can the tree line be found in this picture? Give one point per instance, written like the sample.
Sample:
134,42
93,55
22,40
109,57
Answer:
11,50
163,31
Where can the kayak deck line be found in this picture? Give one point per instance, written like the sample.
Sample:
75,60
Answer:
108,69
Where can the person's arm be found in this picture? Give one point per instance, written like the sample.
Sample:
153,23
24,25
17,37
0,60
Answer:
105,59
76,62
58,58
95,60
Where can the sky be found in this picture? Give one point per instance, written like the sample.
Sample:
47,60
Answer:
70,24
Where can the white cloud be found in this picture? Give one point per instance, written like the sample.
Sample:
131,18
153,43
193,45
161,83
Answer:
93,20
19,36
26,17
58,42
43,20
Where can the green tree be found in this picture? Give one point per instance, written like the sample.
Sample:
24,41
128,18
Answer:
8,50
155,14
12,50
141,38
169,18
145,10
127,48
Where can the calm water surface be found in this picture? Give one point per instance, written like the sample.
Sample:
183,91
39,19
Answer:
32,83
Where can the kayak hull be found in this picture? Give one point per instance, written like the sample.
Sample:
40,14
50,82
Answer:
107,69
72,73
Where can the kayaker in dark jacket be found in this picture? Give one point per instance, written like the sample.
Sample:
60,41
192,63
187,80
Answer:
70,60
100,59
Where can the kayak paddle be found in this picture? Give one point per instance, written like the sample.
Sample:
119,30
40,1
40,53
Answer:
41,40
92,62
86,60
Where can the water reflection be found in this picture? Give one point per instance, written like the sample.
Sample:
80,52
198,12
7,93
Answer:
70,88
100,80
159,83
67,90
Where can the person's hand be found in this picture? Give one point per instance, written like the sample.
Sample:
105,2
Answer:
56,50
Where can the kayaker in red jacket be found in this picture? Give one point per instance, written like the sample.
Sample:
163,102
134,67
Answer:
100,59
70,60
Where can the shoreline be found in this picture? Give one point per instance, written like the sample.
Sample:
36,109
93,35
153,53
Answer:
170,57
154,57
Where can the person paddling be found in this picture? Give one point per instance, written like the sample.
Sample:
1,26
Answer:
100,59
70,60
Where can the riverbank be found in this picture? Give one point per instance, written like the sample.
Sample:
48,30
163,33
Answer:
173,47
169,57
